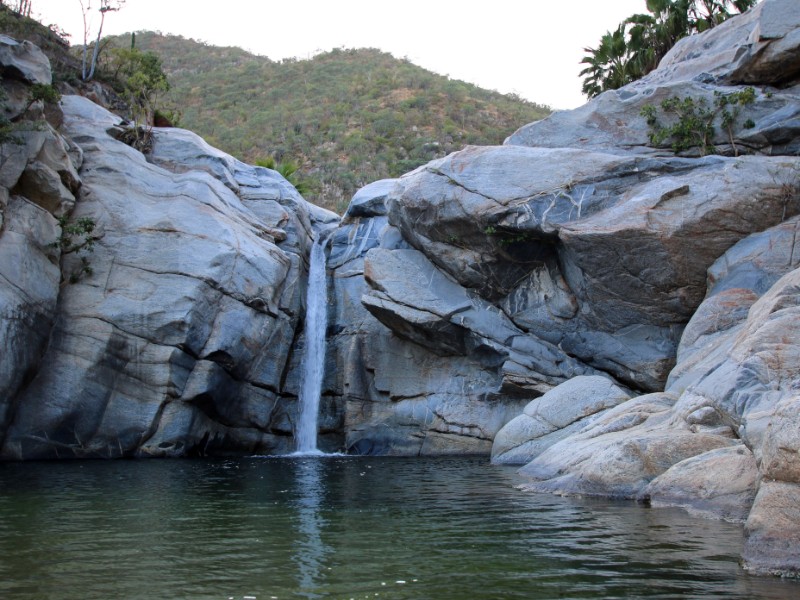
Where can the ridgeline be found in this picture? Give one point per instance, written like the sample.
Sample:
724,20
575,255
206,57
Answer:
344,117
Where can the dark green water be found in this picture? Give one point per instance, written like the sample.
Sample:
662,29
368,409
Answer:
374,528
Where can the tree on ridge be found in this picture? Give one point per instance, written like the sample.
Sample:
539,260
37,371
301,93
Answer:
640,42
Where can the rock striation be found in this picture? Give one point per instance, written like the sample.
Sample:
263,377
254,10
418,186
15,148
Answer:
720,439
635,298
179,339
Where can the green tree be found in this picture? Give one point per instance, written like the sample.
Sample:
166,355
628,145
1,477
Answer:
77,237
640,42
609,65
138,76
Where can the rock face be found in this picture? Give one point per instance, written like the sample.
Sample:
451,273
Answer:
637,301
417,394
29,272
562,411
722,439
178,340
575,250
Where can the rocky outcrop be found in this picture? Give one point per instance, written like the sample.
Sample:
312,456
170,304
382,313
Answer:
38,178
417,394
758,48
721,440
601,255
176,335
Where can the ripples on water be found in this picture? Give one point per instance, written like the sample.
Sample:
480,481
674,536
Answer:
344,528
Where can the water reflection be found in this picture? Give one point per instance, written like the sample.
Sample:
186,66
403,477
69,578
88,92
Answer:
345,528
310,550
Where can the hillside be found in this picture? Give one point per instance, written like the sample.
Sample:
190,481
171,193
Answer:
345,117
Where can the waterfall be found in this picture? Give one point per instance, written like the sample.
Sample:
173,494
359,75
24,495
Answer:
313,367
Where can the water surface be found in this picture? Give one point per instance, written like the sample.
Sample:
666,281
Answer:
344,528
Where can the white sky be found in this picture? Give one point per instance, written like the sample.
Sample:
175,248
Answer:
528,47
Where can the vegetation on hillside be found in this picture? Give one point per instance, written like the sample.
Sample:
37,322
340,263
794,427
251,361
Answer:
333,123
639,43
344,118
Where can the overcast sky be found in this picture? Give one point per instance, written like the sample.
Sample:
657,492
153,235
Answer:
528,47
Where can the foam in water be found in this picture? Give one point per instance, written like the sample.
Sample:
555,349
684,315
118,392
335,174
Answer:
314,356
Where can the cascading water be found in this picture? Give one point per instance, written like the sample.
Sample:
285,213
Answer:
314,356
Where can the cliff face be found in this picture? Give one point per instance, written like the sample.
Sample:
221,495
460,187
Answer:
178,339
638,294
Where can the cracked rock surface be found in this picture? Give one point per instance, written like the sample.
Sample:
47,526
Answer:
179,340
637,304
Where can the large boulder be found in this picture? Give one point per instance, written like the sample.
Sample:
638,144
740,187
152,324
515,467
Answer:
718,484
560,412
370,201
25,61
177,339
758,49
604,256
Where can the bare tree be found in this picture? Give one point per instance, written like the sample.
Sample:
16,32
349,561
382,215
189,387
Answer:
106,6
21,7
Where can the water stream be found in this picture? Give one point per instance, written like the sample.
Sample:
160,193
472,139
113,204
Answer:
314,356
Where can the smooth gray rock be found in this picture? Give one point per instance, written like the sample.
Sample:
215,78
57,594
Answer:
370,200
181,151
24,60
717,484
178,342
29,286
552,417
420,303
757,47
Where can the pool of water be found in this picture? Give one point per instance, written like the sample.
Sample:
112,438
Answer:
269,528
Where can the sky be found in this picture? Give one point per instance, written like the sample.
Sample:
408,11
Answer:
531,48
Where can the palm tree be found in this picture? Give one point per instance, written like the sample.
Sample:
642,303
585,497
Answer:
640,42
609,65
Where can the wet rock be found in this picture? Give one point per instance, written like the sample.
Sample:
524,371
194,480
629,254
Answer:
719,484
